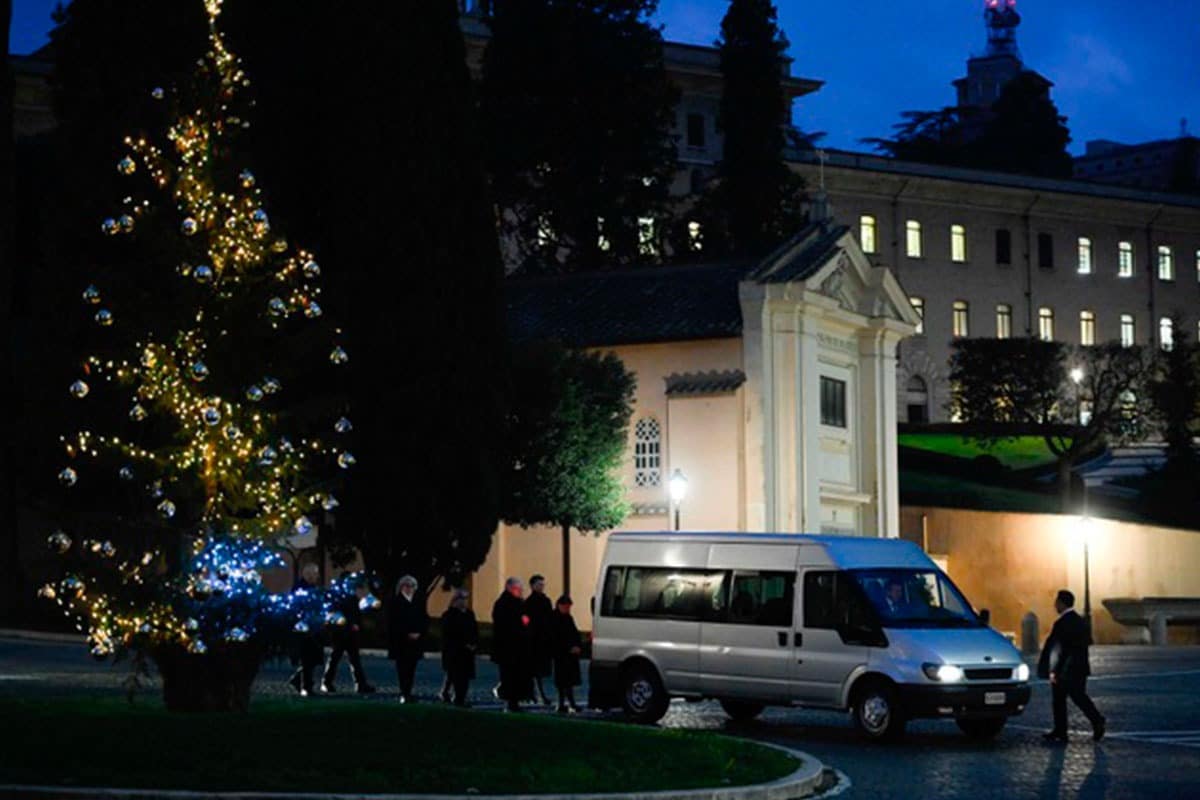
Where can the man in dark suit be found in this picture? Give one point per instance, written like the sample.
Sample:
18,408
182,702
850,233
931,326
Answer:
1064,662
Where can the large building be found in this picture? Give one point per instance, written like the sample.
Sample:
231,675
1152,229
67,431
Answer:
992,254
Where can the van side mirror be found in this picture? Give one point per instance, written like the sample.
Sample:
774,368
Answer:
985,616
592,605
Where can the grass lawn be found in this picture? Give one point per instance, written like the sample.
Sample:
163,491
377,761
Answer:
361,746
1019,453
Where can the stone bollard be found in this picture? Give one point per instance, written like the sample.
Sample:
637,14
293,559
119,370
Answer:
1029,633
1158,628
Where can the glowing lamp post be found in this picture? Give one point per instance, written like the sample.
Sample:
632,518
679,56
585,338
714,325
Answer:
1085,526
678,486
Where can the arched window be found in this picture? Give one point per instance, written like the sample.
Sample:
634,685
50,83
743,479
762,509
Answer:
647,452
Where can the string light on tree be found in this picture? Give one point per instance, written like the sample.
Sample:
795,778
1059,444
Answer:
210,444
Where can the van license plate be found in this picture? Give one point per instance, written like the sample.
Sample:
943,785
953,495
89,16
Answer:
994,698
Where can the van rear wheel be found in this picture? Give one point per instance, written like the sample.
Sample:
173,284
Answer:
877,712
740,710
982,729
642,694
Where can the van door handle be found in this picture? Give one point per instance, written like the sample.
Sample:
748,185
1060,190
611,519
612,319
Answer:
781,636
798,639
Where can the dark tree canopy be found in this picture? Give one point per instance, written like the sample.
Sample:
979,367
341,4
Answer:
1027,381
577,113
1021,133
755,202
12,591
567,436
381,110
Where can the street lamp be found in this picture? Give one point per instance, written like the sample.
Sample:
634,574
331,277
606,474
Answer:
678,486
1085,532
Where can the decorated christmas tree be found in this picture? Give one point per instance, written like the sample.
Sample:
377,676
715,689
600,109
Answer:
212,382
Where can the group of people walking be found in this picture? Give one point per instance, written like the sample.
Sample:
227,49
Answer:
533,640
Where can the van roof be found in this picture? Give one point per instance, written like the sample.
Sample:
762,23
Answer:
847,552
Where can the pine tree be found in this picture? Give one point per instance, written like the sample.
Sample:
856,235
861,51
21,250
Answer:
209,427
757,196
578,113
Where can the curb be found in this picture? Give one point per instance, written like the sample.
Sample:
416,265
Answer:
805,782
79,638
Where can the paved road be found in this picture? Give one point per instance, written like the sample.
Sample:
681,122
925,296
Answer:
1149,695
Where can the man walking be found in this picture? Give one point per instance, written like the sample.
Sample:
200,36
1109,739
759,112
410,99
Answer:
343,640
511,645
1064,662
407,623
309,650
541,619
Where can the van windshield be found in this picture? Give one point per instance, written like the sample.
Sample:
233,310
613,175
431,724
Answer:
915,598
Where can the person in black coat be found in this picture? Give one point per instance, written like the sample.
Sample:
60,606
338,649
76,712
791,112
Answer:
343,639
407,623
541,615
511,645
309,650
460,638
567,646
1064,662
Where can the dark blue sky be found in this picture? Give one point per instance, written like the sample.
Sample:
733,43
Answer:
1123,70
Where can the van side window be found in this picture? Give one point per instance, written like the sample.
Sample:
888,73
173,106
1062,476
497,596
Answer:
663,592
819,599
762,598
834,600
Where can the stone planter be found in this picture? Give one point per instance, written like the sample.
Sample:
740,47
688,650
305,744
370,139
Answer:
219,680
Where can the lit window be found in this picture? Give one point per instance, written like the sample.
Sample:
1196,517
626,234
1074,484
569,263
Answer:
602,242
918,304
1085,411
1127,330
1125,260
912,239
1087,328
866,233
833,402
1166,263
1166,333
1046,324
1198,265
647,452
695,237
1003,321
958,243
961,319
1085,255
1003,246
647,236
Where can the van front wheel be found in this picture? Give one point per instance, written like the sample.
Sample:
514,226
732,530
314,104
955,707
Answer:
877,712
740,710
642,694
982,729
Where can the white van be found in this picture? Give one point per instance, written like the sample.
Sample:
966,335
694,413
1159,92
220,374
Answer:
751,619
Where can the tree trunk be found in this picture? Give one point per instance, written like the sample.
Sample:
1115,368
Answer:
1064,485
566,559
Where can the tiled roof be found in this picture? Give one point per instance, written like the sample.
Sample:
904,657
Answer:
628,306
816,241
701,383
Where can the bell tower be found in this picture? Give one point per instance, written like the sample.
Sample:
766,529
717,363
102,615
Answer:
1002,21
988,74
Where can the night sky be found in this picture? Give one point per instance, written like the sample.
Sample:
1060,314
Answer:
1122,70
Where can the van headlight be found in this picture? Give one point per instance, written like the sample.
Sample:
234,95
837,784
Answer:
943,673
1021,673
